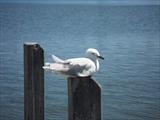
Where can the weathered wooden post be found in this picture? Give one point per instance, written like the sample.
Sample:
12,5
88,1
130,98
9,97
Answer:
33,82
84,99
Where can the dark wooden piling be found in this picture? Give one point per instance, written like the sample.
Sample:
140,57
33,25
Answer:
33,82
84,99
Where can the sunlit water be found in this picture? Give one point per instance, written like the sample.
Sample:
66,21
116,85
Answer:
127,36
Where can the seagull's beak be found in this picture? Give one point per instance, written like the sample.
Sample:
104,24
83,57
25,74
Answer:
101,57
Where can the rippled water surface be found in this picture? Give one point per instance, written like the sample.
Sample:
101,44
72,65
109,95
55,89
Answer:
127,36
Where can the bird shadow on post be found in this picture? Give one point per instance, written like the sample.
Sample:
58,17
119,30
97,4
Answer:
84,99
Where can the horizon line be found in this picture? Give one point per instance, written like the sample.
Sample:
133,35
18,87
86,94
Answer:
88,2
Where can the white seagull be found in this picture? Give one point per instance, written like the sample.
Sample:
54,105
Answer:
76,67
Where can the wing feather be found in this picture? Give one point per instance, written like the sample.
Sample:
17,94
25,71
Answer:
73,67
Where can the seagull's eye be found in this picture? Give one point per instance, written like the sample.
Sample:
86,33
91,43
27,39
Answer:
94,54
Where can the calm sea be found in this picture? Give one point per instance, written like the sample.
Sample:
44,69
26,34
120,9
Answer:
127,36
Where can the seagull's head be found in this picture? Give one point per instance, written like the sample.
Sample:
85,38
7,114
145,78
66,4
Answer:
93,54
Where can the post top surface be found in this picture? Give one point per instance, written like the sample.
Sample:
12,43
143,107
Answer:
85,79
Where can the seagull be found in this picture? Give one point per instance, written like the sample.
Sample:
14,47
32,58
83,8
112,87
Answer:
76,67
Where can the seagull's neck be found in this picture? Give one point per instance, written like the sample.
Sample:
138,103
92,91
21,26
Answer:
97,65
96,62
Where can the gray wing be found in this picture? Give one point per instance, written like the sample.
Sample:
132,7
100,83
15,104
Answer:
78,67
72,67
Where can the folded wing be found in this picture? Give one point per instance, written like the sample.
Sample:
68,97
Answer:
72,67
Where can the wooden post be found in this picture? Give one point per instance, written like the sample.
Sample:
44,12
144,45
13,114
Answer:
33,82
84,99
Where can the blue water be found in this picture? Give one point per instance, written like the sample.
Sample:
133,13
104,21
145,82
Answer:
127,36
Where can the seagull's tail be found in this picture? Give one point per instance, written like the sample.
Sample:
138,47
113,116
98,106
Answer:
46,66
56,66
56,59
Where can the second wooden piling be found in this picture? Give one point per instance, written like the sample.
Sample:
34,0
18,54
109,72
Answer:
84,99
